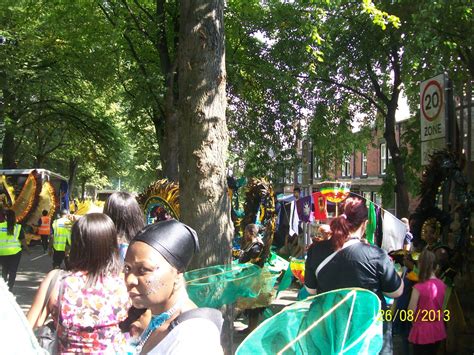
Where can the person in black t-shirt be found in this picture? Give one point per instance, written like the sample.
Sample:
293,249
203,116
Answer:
344,261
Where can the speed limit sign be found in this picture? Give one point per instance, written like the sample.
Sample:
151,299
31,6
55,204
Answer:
433,108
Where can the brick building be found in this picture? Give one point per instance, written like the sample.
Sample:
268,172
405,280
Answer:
364,171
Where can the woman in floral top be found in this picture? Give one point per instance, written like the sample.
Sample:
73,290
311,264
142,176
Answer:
90,300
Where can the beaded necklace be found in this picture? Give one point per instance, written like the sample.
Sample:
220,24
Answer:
156,322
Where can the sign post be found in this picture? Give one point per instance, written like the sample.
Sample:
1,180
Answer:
433,116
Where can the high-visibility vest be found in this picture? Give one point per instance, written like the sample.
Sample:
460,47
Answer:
62,234
45,227
9,244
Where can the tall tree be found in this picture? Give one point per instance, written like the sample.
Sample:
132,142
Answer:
148,73
204,137
205,204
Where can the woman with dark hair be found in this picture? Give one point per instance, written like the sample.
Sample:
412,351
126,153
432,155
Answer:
12,239
87,303
154,266
344,261
125,212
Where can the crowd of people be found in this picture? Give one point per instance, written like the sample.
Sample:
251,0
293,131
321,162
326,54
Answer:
343,258
124,289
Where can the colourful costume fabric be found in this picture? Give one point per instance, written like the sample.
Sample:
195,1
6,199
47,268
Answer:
294,220
320,206
90,316
303,206
371,225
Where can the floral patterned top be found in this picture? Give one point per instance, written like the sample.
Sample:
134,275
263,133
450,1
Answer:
90,316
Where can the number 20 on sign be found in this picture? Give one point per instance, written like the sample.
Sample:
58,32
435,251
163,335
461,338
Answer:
432,107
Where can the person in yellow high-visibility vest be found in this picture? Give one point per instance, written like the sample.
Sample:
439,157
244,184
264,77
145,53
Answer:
61,240
11,240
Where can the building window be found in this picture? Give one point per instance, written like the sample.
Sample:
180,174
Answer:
377,198
366,195
346,167
383,158
289,177
299,176
316,169
364,164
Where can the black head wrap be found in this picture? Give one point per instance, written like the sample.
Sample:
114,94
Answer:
175,241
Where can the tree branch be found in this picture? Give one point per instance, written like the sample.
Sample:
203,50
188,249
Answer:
145,11
52,149
107,15
397,76
141,66
376,85
352,90
138,25
162,43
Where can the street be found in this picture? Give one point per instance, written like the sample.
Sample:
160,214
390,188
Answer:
33,267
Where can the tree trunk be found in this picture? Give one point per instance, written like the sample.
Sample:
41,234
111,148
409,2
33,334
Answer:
401,191
172,130
73,162
172,166
8,150
83,190
8,143
39,161
167,138
203,140
3,87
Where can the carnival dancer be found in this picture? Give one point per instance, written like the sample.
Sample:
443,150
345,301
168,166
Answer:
44,229
12,239
61,240
426,305
154,266
344,261
252,246
251,251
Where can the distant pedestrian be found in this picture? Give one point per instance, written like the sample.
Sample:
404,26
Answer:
61,240
127,216
11,240
297,192
44,229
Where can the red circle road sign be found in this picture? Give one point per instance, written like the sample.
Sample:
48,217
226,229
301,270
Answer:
429,109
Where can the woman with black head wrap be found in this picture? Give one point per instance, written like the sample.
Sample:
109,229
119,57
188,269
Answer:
154,266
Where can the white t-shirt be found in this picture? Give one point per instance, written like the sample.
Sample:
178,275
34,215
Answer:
197,336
